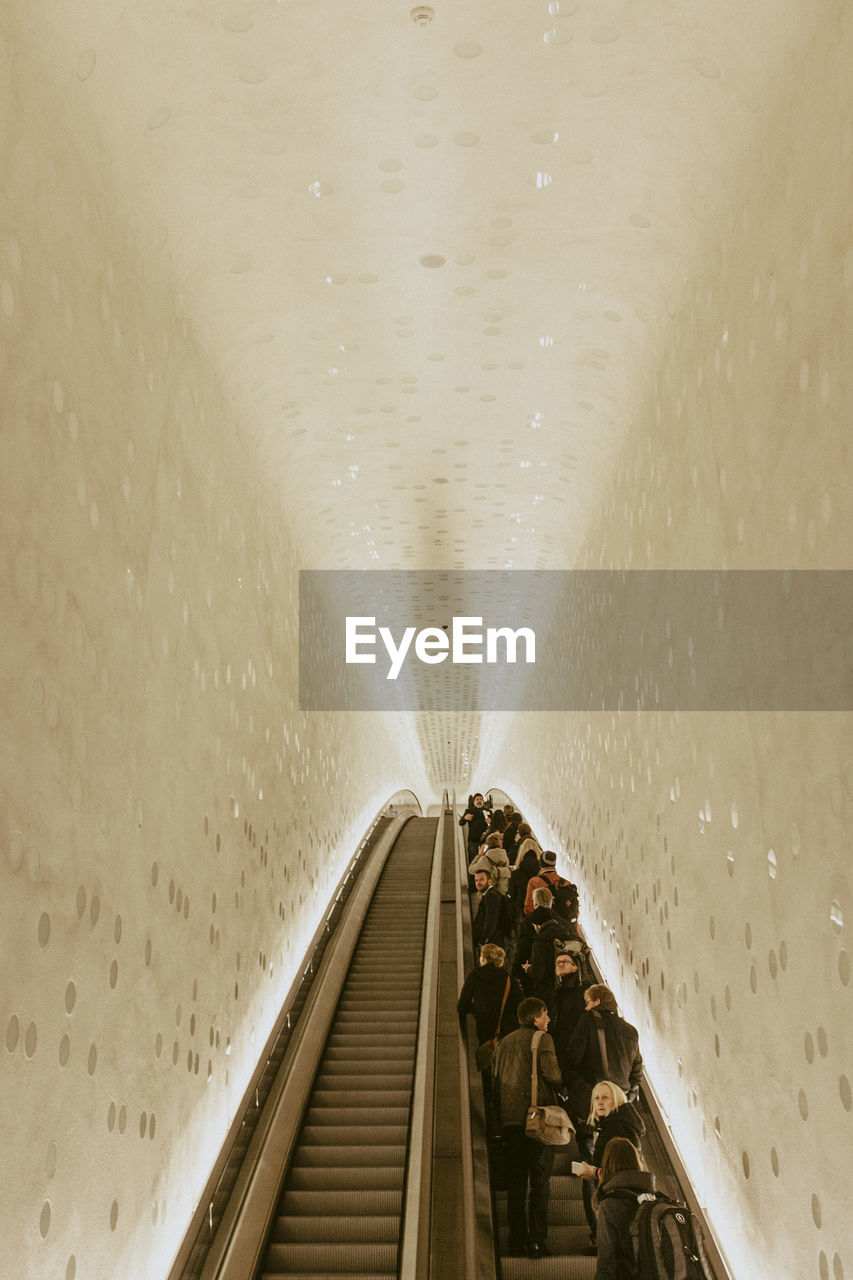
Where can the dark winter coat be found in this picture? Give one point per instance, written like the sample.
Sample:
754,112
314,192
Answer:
540,976
482,993
477,824
526,869
583,1055
513,1070
623,1122
614,1214
524,938
487,925
566,1008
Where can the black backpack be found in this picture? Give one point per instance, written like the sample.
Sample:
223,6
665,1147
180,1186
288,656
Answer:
566,901
666,1237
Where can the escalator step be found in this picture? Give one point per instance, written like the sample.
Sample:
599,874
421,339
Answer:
331,1157
363,1080
335,1259
351,1178
350,1022
321,1275
359,1098
368,1036
377,969
377,1052
363,1229
555,1268
365,1136
319,1116
375,1002
339,1203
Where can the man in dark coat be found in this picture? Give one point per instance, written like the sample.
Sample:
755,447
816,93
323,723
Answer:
622,1043
488,923
478,822
524,940
527,1160
566,1005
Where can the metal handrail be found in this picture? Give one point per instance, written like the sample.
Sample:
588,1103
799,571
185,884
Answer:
414,1245
480,1260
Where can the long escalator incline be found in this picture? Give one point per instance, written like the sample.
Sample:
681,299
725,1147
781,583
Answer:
340,1211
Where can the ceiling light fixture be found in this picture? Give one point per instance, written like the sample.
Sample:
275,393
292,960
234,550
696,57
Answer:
422,15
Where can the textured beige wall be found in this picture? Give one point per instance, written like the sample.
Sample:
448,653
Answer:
169,827
736,971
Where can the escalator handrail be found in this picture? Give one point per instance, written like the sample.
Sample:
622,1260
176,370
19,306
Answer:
414,1254
480,1260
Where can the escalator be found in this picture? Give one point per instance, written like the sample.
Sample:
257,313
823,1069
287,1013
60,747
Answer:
341,1208
351,1174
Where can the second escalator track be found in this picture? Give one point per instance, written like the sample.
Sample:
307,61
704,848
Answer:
340,1212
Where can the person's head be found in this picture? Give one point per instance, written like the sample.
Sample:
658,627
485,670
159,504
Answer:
542,897
481,881
529,1010
494,840
491,953
547,859
508,811
599,997
564,965
606,1097
498,822
478,800
533,1012
619,1155
524,830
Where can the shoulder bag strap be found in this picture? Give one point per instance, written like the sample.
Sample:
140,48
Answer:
503,1006
534,1049
602,1045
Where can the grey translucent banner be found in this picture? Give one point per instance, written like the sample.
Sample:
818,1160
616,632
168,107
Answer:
649,640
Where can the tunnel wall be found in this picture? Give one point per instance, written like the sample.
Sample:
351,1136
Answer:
170,825
712,849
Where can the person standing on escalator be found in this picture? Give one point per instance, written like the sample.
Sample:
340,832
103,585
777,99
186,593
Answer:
529,1162
489,924
478,822
618,1058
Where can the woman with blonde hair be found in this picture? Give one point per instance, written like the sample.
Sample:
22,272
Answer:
611,1115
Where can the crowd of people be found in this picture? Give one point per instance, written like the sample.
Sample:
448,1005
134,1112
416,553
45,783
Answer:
533,993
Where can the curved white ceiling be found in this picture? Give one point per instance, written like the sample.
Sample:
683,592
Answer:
434,264
435,268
